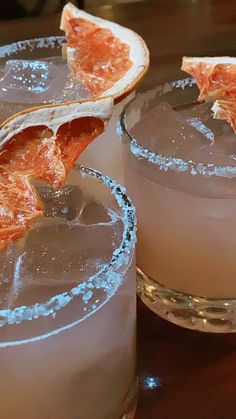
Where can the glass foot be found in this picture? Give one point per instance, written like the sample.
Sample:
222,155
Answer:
192,312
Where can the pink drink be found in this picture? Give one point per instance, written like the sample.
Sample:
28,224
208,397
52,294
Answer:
180,170
105,154
68,307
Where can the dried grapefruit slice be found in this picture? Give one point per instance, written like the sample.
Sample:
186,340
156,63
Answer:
106,57
42,143
215,76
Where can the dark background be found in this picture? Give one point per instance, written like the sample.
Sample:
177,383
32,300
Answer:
12,9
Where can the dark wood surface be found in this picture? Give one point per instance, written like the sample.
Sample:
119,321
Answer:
183,374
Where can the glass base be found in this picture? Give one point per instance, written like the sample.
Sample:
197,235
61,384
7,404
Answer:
131,401
196,313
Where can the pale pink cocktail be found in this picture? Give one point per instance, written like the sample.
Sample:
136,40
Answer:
180,170
68,306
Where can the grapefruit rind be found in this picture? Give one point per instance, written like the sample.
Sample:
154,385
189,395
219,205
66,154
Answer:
53,116
19,204
139,53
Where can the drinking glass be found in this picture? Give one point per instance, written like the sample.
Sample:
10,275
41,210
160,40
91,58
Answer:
104,154
68,306
186,210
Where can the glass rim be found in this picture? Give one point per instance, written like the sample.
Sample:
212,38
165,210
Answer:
120,258
24,44
165,162
11,51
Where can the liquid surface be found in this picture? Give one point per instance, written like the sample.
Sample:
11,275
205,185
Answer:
186,216
46,80
72,241
189,133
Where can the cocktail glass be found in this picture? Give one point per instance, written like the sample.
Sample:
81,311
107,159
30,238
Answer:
68,306
54,84
181,174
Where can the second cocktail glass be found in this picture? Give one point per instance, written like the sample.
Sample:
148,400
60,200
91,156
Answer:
180,171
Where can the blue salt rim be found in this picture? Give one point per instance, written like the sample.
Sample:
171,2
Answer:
31,44
163,162
108,279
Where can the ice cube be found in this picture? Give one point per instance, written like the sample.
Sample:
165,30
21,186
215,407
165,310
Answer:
71,204
28,75
155,128
95,213
201,116
220,148
28,80
165,131
202,128
201,111
72,241
59,256
61,251
221,152
187,133
68,202
45,80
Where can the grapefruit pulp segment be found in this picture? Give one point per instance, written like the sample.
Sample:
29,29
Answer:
215,76
74,137
100,59
107,58
8,235
18,199
19,204
34,152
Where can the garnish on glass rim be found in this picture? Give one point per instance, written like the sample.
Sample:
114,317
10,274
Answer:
107,58
216,79
42,143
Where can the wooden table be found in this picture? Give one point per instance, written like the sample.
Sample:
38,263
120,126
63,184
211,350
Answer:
183,374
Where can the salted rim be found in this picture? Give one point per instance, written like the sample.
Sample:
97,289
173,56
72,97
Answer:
125,85
163,162
30,44
111,271
51,42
